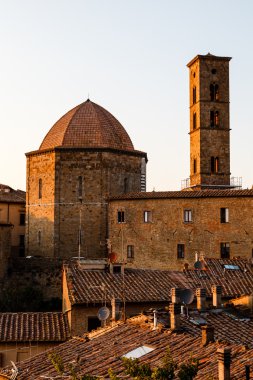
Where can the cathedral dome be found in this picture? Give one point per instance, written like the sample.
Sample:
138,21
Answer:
87,126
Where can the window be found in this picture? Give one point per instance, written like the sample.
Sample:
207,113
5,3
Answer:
180,251
194,166
187,216
80,187
39,237
130,251
147,216
214,165
214,92
214,119
138,352
224,250
40,188
21,245
231,267
194,120
22,219
224,215
121,216
194,95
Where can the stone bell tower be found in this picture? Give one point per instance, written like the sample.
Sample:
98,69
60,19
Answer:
209,122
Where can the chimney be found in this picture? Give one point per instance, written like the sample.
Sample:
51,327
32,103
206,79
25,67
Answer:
175,295
175,316
217,290
201,299
207,334
224,360
115,303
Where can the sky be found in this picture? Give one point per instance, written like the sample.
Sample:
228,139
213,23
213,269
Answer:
129,57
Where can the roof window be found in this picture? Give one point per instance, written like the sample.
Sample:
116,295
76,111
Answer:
231,267
138,352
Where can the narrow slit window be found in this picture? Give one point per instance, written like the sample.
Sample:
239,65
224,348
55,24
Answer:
217,165
194,93
130,252
212,165
212,119
214,92
80,187
40,188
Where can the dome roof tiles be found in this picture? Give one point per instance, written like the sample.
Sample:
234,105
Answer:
88,126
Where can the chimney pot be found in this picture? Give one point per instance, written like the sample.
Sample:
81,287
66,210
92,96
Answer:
175,295
224,361
216,291
201,299
207,334
174,316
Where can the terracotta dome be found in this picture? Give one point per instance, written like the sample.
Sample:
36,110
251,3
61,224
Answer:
88,126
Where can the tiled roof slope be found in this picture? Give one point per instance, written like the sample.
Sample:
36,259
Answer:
88,125
137,285
9,195
145,285
105,349
45,327
185,194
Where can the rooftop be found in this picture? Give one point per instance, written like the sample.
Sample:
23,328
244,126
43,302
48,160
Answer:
88,125
24,327
96,353
9,195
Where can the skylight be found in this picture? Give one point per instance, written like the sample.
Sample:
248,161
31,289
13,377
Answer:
138,352
231,267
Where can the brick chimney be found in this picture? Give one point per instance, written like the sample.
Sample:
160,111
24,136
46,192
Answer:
115,303
217,290
175,295
201,299
175,316
224,360
207,334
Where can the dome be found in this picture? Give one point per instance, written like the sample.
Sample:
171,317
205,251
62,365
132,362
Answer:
87,126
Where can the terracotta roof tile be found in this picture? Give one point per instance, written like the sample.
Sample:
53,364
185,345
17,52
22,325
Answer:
17,327
105,349
145,285
88,125
9,195
185,194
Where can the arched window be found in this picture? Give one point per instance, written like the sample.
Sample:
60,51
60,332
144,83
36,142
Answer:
40,188
194,95
214,92
214,118
215,165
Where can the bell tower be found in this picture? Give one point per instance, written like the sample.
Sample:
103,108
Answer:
209,122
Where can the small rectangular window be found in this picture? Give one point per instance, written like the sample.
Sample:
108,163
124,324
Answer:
187,216
224,250
194,166
21,245
224,215
147,215
130,252
180,251
22,219
194,120
121,216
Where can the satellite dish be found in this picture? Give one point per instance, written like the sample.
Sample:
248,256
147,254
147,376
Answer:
103,313
199,265
186,296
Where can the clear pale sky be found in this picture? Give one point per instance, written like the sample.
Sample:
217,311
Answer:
130,57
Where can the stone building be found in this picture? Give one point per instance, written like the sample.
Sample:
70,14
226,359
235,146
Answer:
86,157
12,211
166,230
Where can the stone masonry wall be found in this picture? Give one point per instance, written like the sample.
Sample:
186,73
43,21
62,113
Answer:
155,243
